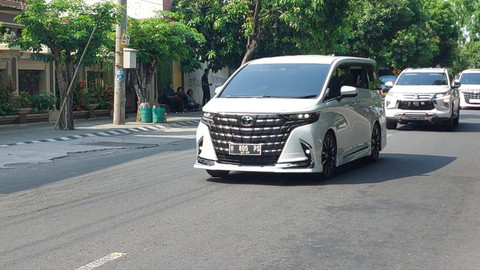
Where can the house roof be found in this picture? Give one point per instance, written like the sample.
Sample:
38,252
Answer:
12,4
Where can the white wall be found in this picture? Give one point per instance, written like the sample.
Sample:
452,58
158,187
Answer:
194,80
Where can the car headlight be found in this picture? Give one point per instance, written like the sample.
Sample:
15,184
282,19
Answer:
443,99
303,118
391,100
207,118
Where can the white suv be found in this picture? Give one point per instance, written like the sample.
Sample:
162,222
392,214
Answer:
424,95
470,88
293,114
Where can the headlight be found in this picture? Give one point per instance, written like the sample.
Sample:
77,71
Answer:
443,99
207,118
391,100
303,118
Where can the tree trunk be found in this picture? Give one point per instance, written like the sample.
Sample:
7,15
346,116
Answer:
66,118
251,47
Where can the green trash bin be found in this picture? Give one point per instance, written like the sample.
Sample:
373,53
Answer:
158,115
146,115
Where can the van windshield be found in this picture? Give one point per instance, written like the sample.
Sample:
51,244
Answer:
277,81
470,78
422,78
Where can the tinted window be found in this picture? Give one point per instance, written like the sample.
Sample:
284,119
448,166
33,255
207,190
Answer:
423,78
470,78
277,80
340,77
373,82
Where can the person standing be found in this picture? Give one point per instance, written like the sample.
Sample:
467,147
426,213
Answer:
205,87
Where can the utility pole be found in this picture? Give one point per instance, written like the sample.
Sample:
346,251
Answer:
119,86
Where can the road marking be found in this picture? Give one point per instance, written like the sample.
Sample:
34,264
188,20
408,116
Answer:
168,136
388,135
102,261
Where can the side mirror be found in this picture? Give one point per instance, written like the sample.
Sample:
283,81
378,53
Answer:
456,83
348,91
389,85
218,90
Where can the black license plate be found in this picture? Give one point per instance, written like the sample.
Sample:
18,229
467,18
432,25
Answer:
245,149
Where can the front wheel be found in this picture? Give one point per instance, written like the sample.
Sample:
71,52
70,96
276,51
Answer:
375,143
456,121
329,155
218,173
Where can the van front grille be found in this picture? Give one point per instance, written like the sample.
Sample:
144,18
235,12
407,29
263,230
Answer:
271,131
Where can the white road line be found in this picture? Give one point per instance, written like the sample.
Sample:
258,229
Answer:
90,135
52,140
104,134
123,131
388,135
3,145
65,138
102,261
114,132
20,143
78,136
134,130
36,141
168,136
142,128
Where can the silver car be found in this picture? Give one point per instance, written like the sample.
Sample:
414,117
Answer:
423,95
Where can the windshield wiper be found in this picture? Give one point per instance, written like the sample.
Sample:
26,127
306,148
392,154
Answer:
308,96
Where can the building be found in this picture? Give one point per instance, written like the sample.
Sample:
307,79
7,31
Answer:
17,66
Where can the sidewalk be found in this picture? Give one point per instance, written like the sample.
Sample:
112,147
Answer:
21,134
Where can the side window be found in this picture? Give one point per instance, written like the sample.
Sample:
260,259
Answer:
373,80
358,76
340,77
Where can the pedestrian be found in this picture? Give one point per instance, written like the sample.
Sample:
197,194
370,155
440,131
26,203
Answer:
183,99
192,104
169,97
205,87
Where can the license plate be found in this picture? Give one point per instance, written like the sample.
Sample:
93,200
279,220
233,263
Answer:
474,100
245,149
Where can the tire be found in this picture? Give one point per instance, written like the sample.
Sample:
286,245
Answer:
391,124
449,124
218,173
329,155
375,143
456,121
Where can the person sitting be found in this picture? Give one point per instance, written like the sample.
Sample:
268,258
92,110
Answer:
183,99
170,98
191,104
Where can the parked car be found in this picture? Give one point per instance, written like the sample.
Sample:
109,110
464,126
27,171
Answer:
470,88
424,95
383,80
293,114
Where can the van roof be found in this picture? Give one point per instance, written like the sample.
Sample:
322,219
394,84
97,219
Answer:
471,71
424,70
307,59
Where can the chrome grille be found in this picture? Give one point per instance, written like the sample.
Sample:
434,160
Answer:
416,105
269,130
471,95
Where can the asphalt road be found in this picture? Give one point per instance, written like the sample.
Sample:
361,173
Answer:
143,206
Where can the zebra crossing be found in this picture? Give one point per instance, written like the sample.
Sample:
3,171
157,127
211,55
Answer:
110,133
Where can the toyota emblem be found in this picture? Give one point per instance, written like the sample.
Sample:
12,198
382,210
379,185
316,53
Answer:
246,121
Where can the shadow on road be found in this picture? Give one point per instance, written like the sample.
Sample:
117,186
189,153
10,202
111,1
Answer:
389,167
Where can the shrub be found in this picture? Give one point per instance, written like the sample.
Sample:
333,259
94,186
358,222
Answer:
43,101
7,106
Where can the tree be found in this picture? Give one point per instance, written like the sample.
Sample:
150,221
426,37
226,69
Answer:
468,14
160,40
239,30
64,26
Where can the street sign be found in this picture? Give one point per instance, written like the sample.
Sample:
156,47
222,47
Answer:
125,40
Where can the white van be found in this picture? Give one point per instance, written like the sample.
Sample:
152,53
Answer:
293,114
470,88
